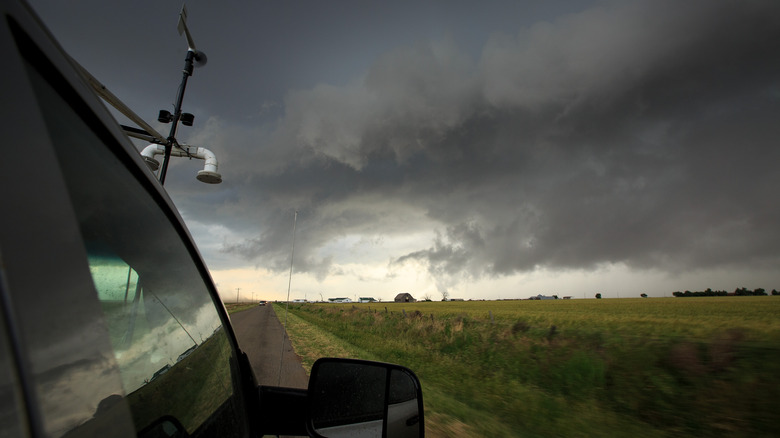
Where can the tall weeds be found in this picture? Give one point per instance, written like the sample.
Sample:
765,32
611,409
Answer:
537,376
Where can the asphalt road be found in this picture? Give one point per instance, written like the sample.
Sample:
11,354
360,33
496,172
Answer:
261,335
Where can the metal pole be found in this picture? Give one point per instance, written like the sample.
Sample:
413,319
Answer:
287,305
186,73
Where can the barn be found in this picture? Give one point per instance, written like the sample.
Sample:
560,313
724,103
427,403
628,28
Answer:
404,298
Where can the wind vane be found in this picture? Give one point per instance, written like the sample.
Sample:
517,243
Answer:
194,58
166,146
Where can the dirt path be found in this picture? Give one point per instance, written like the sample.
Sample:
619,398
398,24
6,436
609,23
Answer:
260,334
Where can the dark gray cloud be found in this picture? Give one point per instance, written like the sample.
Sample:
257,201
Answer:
638,133
641,133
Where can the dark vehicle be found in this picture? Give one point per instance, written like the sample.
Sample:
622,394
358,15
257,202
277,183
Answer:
110,322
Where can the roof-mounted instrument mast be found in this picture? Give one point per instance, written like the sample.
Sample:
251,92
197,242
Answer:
194,58
160,144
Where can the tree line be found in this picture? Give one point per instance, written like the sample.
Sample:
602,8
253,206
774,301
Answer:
740,292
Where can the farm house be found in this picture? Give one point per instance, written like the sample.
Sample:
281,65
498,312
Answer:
404,298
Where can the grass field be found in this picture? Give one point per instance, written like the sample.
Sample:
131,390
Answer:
629,367
237,307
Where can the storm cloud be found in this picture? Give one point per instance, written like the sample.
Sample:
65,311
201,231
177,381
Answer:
521,137
641,133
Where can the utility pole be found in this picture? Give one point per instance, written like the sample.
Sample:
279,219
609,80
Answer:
237,290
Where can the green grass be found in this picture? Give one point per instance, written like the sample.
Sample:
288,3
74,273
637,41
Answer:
238,307
629,367
319,343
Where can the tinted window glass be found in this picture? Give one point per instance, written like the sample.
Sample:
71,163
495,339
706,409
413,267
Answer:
174,356
166,350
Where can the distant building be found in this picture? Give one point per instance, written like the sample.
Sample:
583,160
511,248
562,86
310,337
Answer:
339,300
366,300
186,353
404,298
544,297
161,371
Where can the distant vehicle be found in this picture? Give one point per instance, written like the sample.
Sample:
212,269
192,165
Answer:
262,303
110,324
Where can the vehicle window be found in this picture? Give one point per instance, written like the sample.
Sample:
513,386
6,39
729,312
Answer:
175,359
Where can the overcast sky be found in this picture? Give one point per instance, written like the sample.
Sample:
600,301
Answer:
485,149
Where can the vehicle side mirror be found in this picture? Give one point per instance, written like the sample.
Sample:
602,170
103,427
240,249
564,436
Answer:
360,398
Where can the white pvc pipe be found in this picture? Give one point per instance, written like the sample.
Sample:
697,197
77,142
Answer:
211,159
152,150
210,167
